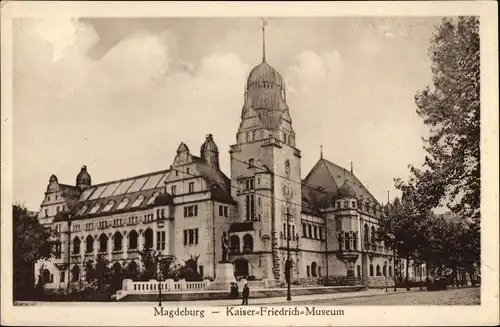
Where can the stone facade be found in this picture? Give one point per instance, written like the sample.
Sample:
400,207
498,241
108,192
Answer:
325,222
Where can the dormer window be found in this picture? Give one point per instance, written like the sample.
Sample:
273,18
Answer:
82,211
250,162
108,206
95,208
138,201
122,204
152,199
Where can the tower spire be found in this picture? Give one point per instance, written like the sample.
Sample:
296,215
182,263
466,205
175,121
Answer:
264,24
321,151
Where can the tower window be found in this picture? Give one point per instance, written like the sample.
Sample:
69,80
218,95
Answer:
254,135
173,190
191,187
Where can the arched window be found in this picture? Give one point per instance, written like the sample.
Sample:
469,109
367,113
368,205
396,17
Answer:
314,272
358,268
304,230
76,245
75,273
45,276
308,271
373,234
152,199
366,236
94,209
117,241
384,271
234,245
309,229
108,206
132,240
390,270
315,231
122,204
148,238
89,244
378,270
371,270
355,241
319,271
117,268
138,201
103,243
247,243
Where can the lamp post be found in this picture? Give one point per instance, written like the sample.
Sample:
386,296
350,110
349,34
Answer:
69,252
385,273
159,275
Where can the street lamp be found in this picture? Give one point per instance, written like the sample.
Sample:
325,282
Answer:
159,275
385,273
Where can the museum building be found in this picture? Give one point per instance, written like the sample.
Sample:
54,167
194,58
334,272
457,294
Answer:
328,219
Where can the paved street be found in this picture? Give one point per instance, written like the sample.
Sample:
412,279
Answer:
461,296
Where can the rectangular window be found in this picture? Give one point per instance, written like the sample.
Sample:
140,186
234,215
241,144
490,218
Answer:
221,210
254,135
187,170
191,211
293,231
201,270
63,276
252,206
173,190
321,233
46,212
191,236
58,209
160,240
248,137
247,206
191,187
226,213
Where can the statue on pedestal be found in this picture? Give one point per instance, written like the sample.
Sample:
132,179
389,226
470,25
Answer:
225,248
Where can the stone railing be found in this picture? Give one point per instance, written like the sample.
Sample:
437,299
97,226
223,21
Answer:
132,254
152,287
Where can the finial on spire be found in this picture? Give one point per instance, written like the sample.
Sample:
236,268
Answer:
321,151
388,196
264,24
351,167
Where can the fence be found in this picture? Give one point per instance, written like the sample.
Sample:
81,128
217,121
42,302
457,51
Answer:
152,287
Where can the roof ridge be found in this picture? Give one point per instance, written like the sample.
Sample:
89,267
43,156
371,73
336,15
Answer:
132,177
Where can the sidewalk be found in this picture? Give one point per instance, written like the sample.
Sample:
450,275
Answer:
282,299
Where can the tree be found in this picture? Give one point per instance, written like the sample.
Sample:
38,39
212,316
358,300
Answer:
97,272
451,108
31,242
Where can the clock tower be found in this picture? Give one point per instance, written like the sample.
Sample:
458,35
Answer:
265,171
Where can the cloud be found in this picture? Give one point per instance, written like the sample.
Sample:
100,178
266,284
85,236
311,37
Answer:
101,112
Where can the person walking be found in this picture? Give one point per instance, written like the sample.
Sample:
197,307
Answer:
245,294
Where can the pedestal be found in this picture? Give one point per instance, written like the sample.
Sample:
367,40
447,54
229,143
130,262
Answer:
225,276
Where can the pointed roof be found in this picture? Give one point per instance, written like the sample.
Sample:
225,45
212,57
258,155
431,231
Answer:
325,181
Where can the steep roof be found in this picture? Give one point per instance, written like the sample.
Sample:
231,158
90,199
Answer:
119,191
323,183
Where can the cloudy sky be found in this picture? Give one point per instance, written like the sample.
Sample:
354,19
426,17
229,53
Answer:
119,95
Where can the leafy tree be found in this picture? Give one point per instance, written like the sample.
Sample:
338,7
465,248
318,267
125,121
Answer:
451,108
31,242
97,271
